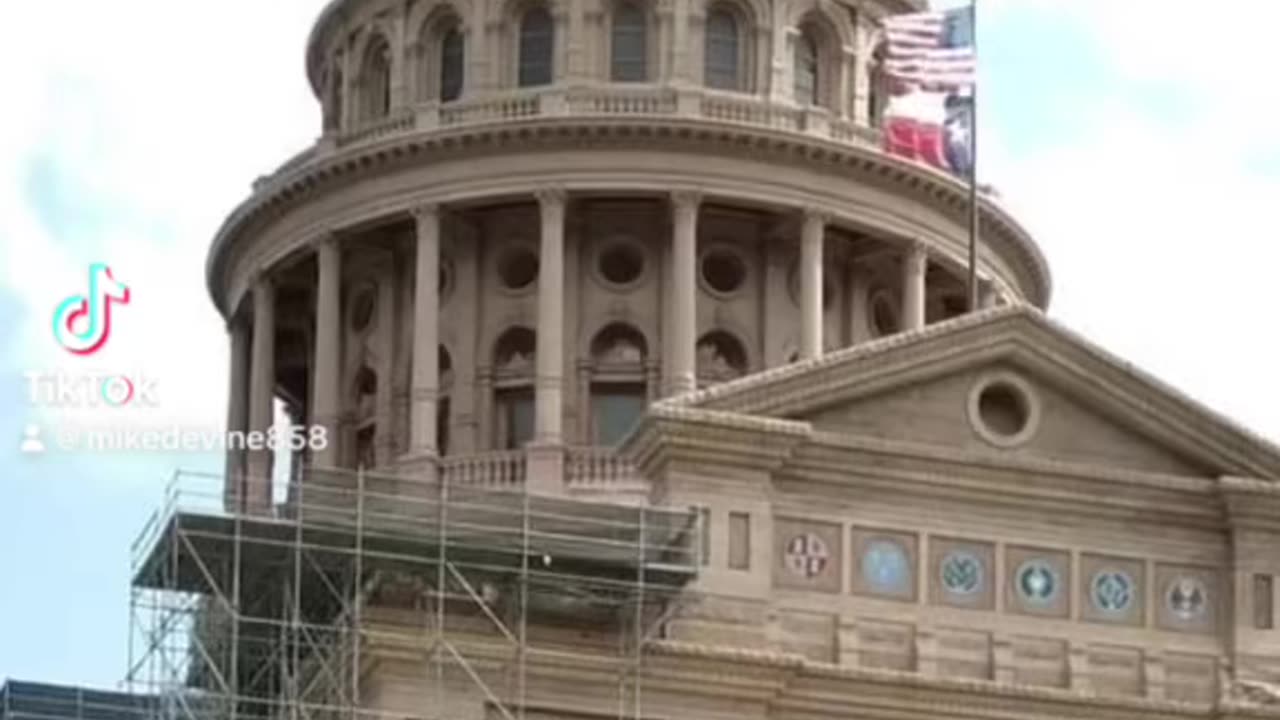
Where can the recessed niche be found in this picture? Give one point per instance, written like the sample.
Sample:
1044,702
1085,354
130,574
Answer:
884,314
1003,409
362,307
518,268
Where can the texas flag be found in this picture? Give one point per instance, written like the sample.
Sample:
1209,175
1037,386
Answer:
930,64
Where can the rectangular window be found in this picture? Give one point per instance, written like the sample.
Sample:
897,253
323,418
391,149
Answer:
704,530
515,418
1264,602
739,541
614,409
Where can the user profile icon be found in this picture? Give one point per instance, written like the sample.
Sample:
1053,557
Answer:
31,442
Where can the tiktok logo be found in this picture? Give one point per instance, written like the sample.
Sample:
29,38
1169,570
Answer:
82,324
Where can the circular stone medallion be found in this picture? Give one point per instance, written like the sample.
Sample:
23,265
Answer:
806,555
885,566
1187,598
961,572
1037,582
1112,591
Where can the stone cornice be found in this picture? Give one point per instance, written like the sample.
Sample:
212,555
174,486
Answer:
668,433
1018,334
1252,504
828,690
320,172
1015,485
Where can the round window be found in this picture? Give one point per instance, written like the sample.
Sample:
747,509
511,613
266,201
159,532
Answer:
362,308
621,263
518,268
1003,409
723,270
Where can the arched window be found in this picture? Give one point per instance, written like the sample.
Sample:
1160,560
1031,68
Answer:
618,383
722,52
807,75
630,47
333,113
720,357
375,79
452,63
537,44
513,367
879,95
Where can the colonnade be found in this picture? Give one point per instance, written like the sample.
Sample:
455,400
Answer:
252,338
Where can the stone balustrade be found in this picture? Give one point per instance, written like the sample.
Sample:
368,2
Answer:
599,468
606,100
497,470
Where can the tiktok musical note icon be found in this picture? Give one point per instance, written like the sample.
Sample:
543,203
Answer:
82,323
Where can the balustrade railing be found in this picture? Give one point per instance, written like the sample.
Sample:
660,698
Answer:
612,100
600,467
494,470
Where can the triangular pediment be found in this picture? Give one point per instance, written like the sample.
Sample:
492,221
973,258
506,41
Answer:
1007,381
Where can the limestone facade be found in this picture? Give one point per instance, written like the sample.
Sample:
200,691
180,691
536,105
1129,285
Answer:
652,252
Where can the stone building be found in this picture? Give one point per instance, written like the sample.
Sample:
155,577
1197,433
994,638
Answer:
648,253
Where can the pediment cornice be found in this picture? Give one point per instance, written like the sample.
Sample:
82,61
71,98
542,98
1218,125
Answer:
1024,337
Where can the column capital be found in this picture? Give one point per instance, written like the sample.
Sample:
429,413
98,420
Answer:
554,196
916,251
326,239
260,281
686,198
816,213
425,211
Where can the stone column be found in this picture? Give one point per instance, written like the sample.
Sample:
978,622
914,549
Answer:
986,294
326,392
426,337
575,60
237,412
261,396
681,63
815,224
546,454
914,265
550,355
684,290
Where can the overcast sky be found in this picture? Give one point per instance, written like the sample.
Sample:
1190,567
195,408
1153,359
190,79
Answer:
1134,139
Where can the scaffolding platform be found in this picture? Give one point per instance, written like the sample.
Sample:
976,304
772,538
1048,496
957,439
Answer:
266,615
41,701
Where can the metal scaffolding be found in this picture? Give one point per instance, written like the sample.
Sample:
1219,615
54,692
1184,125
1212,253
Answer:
278,615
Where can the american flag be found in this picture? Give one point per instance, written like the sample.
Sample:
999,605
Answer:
931,50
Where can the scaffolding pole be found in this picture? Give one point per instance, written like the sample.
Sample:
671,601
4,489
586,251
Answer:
276,616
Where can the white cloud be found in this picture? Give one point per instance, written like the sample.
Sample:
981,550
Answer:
158,115
1160,233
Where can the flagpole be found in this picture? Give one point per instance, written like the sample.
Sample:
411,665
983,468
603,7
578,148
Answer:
973,164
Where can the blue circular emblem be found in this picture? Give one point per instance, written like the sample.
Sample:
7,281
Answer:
885,566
